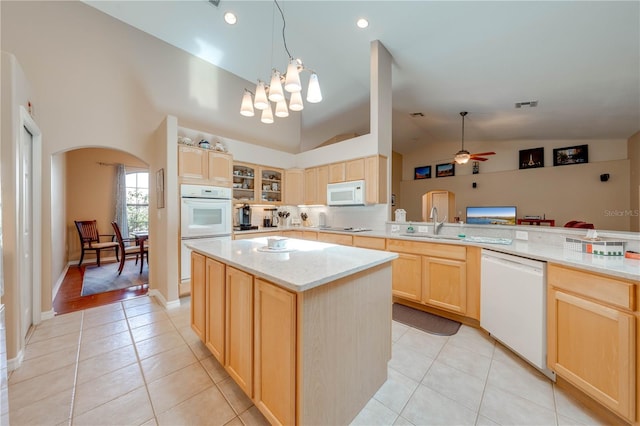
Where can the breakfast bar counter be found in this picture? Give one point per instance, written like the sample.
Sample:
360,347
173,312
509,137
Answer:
304,330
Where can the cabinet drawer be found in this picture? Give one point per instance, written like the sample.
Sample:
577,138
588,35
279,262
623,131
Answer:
448,251
609,290
369,242
326,237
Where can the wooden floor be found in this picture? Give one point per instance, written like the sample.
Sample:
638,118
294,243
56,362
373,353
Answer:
68,298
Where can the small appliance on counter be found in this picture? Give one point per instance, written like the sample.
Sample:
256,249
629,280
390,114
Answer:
244,218
270,219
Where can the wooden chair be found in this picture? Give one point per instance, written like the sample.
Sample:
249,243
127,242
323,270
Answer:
127,249
90,239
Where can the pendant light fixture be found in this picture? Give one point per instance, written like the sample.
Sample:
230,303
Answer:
279,84
462,156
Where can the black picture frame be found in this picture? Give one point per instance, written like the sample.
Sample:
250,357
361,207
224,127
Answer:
531,158
422,172
578,154
445,170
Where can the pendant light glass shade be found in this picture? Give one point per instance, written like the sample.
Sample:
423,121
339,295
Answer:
267,115
292,82
295,104
246,108
261,101
276,94
281,109
314,95
462,157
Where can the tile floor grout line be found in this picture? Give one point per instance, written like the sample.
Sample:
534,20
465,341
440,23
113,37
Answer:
139,362
486,381
75,373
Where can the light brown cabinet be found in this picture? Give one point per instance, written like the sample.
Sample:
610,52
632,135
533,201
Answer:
294,187
407,276
343,239
375,177
591,335
369,242
198,293
432,274
204,166
443,201
239,328
270,185
315,185
275,352
337,172
354,169
215,277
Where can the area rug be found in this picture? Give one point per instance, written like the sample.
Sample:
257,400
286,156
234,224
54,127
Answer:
105,278
424,321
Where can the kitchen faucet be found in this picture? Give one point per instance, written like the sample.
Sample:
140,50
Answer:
434,216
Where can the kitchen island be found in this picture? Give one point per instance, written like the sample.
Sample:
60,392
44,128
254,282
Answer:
304,331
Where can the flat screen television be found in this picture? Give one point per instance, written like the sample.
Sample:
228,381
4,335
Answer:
491,215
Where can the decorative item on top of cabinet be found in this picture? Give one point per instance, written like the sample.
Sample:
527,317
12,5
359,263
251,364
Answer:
204,166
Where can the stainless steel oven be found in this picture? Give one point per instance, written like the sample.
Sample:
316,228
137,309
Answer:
205,214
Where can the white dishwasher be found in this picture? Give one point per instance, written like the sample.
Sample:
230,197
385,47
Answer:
513,305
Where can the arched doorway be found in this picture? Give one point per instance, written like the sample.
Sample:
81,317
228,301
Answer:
90,176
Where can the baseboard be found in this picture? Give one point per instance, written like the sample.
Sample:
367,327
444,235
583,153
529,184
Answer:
167,305
56,287
47,315
14,363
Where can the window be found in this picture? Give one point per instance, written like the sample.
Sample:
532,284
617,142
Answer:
138,201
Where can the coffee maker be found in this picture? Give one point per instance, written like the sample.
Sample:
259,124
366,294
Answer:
244,217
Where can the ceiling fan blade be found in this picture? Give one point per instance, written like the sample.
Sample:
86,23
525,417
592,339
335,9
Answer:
483,153
474,158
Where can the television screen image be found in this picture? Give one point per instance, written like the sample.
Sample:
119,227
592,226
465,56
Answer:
502,215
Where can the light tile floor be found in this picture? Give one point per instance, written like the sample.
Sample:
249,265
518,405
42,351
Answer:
133,363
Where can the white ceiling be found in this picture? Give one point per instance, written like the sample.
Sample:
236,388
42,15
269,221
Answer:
579,59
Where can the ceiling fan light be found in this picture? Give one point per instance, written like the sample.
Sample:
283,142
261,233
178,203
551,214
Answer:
281,109
314,95
462,157
261,102
267,115
292,81
295,104
246,108
275,88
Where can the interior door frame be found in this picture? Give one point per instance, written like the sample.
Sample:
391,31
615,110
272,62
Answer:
30,125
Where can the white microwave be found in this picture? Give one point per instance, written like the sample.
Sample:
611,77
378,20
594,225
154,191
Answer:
346,193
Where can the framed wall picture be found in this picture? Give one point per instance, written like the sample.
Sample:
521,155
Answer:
423,172
531,158
446,169
578,154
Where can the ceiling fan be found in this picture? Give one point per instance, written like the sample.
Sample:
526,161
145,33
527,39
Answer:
463,156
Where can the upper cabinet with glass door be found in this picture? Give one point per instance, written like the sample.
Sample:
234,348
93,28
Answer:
271,185
244,182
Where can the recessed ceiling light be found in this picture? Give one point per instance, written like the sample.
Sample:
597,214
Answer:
362,23
230,18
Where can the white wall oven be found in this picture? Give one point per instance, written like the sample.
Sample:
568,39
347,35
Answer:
205,215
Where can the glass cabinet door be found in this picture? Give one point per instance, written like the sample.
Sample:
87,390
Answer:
271,185
244,182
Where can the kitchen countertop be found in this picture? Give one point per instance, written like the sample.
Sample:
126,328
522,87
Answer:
304,265
617,266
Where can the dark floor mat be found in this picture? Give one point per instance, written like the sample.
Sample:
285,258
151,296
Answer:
424,321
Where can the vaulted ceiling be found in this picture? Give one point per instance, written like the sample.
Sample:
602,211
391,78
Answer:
579,59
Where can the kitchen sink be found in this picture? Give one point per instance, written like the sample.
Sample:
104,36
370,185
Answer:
431,236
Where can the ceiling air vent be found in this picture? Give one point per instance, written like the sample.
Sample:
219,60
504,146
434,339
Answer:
214,2
530,104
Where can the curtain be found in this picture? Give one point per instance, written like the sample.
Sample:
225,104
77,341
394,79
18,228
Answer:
121,200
